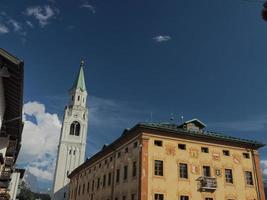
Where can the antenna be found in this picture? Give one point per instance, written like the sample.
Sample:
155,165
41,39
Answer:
151,116
182,118
172,117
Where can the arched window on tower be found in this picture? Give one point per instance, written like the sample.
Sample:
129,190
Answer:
75,128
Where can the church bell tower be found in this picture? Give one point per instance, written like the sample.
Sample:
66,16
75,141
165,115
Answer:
72,142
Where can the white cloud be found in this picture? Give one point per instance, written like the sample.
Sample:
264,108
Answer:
264,167
39,140
42,14
16,25
29,24
90,7
162,38
3,29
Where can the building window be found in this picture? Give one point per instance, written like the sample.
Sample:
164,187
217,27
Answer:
106,161
125,173
88,187
183,170
99,166
135,144
104,180
159,167
119,154
123,197
182,146
228,176
109,178
126,150
249,179
134,169
78,98
226,152
159,197
118,176
83,188
133,197
208,198
204,149
183,197
93,185
69,152
206,171
72,97
74,152
246,155
98,183
75,128
158,143
110,159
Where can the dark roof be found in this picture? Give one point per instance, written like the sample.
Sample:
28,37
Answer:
167,128
13,91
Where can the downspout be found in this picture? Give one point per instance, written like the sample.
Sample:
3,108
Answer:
255,174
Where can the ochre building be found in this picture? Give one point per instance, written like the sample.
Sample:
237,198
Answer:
164,161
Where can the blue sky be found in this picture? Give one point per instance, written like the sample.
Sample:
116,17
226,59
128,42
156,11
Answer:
200,59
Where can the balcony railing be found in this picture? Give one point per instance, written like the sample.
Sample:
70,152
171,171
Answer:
5,175
207,183
11,149
9,161
4,184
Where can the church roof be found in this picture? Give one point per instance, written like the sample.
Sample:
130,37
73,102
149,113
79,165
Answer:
80,82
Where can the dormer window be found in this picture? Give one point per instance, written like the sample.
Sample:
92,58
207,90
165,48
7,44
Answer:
75,128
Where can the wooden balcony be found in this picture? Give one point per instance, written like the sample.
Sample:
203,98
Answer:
207,183
4,184
9,161
11,149
5,175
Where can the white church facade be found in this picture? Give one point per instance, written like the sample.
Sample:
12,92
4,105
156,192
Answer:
72,142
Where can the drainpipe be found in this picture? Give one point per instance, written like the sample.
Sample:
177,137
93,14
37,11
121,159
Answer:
255,174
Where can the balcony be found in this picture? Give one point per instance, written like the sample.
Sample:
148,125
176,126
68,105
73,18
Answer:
5,176
11,149
207,183
4,184
9,161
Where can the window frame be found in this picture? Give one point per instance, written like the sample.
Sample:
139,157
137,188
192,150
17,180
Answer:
158,167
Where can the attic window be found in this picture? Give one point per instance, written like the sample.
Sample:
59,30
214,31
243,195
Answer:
204,149
226,152
158,143
182,146
246,155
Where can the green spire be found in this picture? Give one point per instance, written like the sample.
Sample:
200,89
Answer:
80,83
